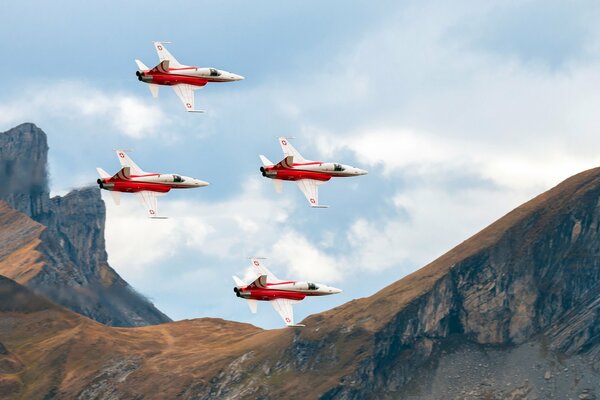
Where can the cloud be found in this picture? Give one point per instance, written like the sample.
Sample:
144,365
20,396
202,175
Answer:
233,229
304,260
427,220
130,115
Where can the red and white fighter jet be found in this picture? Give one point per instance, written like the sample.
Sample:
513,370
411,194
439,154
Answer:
147,186
281,294
184,79
307,174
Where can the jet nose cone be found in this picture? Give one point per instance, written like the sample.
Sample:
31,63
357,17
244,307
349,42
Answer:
201,183
237,77
333,290
362,171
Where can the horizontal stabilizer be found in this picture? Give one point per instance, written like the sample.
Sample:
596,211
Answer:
116,196
252,304
103,174
295,325
153,89
266,162
141,66
278,185
158,217
196,111
238,281
319,206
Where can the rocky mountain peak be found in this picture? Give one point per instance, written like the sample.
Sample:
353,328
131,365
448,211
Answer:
56,246
23,159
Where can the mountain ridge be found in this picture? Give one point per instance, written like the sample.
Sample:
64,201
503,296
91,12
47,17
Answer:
58,245
512,312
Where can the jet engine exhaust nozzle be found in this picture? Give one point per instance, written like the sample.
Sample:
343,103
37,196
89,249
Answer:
100,183
237,291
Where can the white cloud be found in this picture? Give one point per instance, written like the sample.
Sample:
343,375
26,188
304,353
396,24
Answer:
233,229
74,100
304,261
430,221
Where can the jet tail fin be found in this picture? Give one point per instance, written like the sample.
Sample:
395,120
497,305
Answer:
162,66
260,282
123,174
287,162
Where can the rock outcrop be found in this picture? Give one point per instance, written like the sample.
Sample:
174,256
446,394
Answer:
511,313
56,245
23,160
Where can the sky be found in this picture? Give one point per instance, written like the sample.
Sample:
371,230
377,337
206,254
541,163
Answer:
460,111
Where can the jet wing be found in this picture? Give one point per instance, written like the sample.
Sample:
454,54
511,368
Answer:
311,192
165,55
127,162
185,93
284,308
148,200
289,150
260,270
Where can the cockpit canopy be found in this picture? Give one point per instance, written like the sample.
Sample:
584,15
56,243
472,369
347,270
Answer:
214,72
177,178
312,286
338,167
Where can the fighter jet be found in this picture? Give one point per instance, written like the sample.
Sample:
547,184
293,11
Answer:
281,294
147,186
307,174
184,79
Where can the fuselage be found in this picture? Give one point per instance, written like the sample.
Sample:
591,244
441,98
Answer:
317,170
186,74
285,290
160,183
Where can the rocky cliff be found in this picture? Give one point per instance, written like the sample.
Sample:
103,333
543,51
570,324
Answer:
511,313
23,160
56,245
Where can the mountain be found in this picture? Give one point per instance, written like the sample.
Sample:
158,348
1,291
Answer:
55,246
511,313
